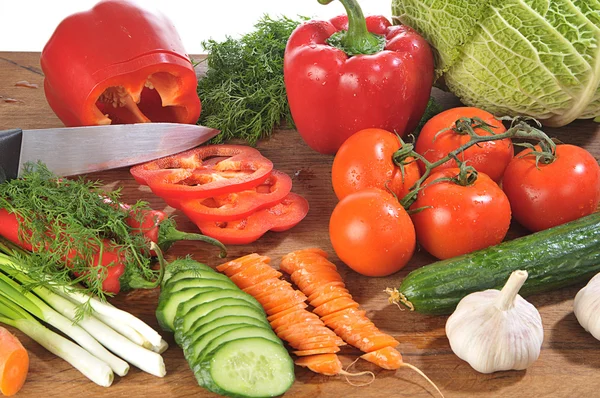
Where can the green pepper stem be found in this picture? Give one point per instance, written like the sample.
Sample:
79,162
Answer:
168,235
358,39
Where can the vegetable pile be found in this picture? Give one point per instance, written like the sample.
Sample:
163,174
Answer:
231,192
455,207
540,59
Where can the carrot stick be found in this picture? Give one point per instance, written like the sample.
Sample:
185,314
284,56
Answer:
14,363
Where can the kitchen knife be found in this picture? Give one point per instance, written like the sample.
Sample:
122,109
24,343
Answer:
79,150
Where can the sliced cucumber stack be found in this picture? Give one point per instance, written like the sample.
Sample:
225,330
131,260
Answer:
224,332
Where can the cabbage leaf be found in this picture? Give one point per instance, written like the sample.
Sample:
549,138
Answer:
515,57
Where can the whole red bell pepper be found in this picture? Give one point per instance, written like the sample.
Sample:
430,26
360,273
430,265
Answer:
352,73
118,63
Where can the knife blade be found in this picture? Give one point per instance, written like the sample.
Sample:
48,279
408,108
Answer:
79,150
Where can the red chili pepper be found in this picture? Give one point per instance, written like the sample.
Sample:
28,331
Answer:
342,77
280,217
108,257
234,206
117,63
159,228
204,172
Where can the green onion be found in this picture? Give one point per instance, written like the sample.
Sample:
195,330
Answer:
93,368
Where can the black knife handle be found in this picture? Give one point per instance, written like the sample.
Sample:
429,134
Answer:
10,153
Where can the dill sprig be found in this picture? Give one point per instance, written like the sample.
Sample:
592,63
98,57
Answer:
243,93
74,219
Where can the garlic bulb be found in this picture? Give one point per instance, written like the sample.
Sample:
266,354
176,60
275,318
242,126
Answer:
587,306
496,330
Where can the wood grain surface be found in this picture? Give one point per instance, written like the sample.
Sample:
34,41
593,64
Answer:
569,364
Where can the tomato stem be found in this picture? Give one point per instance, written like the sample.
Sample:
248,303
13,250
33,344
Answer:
519,129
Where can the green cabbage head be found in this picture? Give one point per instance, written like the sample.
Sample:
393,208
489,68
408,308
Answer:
515,57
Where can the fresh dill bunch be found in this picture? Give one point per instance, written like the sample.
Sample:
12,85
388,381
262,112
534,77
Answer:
243,93
73,219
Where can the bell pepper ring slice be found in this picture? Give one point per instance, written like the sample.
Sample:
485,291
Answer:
204,172
233,206
281,217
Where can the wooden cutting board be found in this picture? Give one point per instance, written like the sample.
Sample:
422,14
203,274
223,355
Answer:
568,365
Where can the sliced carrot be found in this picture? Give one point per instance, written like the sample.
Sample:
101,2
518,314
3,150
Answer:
368,342
335,305
294,317
352,312
386,358
327,350
264,285
250,275
326,364
327,293
282,307
233,266
278,315
289,299
294,260
14,363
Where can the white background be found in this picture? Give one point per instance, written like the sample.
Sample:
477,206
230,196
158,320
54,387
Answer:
26,25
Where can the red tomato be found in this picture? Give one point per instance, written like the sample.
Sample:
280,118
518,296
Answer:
438,138
365,161
555,193
460,219
372,233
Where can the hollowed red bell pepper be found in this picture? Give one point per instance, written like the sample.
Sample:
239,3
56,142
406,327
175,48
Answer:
118,63
234,206
204,172
280,217
348,74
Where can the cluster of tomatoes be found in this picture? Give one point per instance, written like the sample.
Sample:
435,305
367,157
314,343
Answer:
456,209
231,192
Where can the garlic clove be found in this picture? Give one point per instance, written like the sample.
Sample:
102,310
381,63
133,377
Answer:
496,330
586,307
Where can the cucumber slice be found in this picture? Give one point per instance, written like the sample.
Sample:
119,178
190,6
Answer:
248,367
202,298
236,308
196,275
183,265
168,303
197,349
197,282
240,333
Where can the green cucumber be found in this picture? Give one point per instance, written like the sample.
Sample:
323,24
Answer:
209,340
184,312
195,275
168,303
556,257
248,367
182,265
214,316
242,332
197,282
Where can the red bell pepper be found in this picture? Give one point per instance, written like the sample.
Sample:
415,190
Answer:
280,217
234,206
348,74
204,172
117,63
